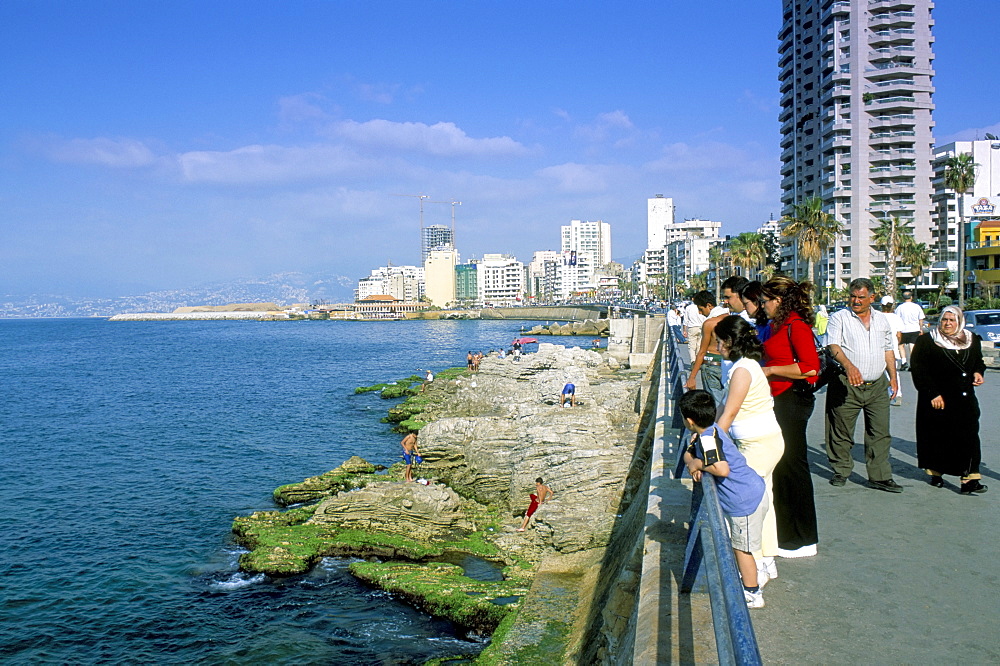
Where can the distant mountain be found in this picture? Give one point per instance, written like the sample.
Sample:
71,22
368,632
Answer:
281,288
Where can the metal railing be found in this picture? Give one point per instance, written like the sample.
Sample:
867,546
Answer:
709,563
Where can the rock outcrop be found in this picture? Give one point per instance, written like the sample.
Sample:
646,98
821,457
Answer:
423,512
508,429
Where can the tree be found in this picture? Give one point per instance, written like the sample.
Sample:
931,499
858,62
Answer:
918,256
960,176
814,228
716,257
699,281
748,252
893,236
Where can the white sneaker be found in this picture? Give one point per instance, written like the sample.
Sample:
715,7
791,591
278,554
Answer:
762,576
770,567
804,551
754,599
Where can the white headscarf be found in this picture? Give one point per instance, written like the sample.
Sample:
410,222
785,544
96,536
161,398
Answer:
960,340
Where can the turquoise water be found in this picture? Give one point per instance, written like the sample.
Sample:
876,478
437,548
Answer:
126,449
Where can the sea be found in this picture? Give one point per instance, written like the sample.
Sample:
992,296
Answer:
126,450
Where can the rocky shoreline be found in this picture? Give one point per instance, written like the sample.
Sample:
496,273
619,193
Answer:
484,437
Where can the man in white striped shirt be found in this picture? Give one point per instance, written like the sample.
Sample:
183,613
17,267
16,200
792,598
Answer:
861,340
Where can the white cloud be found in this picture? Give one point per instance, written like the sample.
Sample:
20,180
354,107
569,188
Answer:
605,125
299,108
711,156
573,177
382,93
268,164
439,139
969,134
119,153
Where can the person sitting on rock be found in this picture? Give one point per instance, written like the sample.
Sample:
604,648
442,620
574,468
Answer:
411,454
542,493
428,378
568,393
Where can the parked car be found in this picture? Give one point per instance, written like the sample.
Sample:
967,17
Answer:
985,323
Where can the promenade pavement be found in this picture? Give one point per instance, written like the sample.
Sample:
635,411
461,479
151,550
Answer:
910,578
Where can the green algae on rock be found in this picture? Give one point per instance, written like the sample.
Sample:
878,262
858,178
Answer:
356,472
443,590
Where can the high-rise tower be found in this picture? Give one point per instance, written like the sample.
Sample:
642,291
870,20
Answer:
856,120
435,237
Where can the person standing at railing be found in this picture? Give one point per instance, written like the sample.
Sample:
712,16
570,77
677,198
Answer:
693,319
742,493
706,360
791,364
748,417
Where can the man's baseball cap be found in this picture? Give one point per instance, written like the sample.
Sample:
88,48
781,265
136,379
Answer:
887,300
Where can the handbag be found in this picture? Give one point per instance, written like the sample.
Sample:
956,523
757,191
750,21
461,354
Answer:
828,368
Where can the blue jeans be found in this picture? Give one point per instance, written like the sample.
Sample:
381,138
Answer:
711,381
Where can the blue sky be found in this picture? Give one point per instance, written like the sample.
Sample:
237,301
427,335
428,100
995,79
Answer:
157,145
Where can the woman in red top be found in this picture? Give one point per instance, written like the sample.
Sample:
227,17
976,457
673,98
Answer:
791,365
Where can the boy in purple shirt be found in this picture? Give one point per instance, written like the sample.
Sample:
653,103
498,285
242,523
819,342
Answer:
741,490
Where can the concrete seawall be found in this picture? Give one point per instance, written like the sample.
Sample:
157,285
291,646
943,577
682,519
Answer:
545,313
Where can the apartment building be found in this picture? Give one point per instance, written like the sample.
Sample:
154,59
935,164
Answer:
856,120
586,247
982,202
500,278
405,283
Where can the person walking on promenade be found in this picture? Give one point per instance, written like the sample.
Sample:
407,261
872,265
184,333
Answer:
742,493
748,417
708,362
542,493
861,342
913,321
674,321
791,365
896,324
693,319
411,454
947,366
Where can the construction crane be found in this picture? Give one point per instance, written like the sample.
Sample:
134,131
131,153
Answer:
453,204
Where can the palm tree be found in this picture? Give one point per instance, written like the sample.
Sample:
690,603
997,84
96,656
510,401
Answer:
815,229
918,256
960,176
892,236
748,251
698,281
716,257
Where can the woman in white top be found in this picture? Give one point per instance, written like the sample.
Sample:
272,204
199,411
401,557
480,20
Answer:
748,416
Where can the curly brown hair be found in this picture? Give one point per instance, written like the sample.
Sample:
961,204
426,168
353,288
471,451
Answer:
795,297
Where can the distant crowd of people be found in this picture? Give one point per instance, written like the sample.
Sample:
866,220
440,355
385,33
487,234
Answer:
761,355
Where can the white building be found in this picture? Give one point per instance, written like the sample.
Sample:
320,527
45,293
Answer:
984,193
404,283
500,279
688,256
537,286
660,211
586,247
